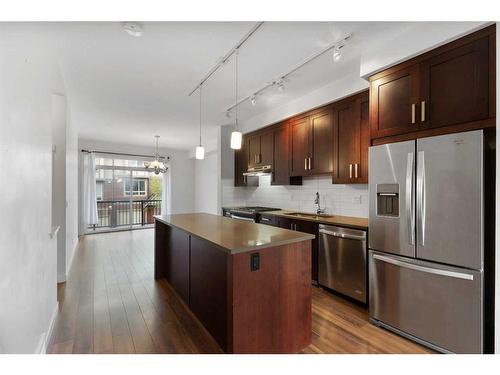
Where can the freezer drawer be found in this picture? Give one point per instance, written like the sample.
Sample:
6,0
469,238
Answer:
342,261
440,305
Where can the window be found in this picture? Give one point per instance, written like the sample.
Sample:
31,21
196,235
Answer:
139,187
98,190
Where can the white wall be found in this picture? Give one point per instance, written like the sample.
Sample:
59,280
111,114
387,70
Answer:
58,120
28,77
206,184
71,222
181,172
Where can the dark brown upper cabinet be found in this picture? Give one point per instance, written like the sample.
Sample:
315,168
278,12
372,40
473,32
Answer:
312,144
393,101
299,148
351,140
454,86
241,166
281,154
321,146
260,149
451,87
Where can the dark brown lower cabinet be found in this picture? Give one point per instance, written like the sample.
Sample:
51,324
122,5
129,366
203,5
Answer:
306,227
267,310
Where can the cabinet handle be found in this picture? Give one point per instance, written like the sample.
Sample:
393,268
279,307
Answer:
413,113
350,170
356,170
305,163
422,111
309,163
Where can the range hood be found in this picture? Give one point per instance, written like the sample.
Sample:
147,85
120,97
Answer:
258,171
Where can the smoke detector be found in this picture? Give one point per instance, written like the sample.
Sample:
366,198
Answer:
133,28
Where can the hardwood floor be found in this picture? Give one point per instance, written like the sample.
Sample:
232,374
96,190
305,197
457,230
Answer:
112,304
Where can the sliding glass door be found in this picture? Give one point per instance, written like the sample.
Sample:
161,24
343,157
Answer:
128,195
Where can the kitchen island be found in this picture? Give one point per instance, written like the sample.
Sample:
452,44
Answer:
249,284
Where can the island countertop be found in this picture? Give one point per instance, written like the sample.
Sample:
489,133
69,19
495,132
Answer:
234,236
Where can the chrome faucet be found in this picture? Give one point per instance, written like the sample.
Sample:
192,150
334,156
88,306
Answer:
320,210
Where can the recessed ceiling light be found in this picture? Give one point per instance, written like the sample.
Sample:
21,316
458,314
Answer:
133,28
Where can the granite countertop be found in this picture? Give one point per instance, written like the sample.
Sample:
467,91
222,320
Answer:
234,236
343,221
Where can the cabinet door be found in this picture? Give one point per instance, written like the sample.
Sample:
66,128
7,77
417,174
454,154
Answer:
347,132
312,228
454,86
364,141
281,172
266,149
299,149
352,139
393,103
253,150
321,143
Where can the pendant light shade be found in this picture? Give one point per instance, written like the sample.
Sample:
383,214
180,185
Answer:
236,140
236,136
200,150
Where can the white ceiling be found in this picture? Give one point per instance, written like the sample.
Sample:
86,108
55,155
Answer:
126,89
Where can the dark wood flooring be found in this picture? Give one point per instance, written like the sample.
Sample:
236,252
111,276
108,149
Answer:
112,304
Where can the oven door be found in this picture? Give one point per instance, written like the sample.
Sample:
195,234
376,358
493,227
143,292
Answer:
239,216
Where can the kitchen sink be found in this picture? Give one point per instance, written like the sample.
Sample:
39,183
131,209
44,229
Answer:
309,216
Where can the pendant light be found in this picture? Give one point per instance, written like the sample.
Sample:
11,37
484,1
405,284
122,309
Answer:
157,166
236,136
200,151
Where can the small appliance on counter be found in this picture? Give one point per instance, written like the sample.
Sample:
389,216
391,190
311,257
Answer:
245,213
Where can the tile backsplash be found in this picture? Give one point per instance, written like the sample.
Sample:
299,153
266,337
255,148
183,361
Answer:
346,200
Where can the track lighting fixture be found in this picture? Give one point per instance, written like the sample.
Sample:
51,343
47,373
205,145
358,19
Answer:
200,151
253,100
228,114
236,135
281,85
337,54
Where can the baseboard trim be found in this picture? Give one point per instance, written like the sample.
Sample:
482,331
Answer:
48,336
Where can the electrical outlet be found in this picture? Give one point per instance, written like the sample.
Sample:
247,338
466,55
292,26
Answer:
356,199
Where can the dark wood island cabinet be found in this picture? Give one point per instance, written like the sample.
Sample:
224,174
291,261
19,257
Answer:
248,284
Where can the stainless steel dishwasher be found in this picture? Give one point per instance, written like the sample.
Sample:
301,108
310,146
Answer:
342,260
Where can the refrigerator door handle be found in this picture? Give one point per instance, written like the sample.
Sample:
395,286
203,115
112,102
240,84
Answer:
410,202
416,267
421,197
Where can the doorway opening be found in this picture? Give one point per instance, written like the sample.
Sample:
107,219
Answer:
128,195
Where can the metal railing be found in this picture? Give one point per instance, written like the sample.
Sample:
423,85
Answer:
114,213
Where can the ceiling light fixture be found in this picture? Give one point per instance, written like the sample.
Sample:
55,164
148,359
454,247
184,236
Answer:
337,54
236,135
157,166
253,99
280,83
228,114
133,28
200,151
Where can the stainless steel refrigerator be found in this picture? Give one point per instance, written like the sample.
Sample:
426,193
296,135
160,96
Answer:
426,240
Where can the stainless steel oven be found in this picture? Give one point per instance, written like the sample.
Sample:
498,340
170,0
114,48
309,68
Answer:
342,261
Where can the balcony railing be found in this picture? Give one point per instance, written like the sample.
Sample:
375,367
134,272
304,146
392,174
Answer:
122,213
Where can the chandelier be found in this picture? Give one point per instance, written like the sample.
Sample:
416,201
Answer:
157,166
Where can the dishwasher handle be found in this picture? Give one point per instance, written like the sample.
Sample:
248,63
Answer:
343,235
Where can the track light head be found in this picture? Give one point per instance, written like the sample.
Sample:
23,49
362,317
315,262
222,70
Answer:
228,114
337,54
281,84
253,100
